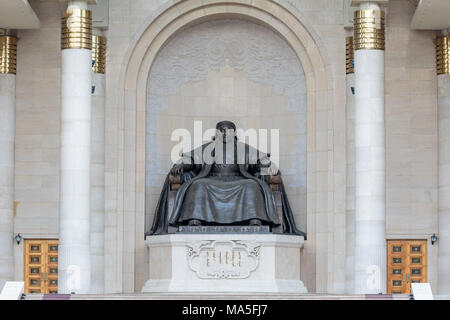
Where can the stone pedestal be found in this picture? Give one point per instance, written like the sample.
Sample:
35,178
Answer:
225,263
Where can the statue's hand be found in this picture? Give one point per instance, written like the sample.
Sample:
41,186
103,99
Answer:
273,170
177,170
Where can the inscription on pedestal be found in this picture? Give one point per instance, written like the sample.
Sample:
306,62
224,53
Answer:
211,259
224,229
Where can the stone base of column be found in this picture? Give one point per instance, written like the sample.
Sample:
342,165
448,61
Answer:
224,263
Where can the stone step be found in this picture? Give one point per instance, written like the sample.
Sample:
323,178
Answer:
215,296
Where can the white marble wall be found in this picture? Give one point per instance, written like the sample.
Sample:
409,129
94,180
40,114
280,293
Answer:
38,125
36,178
324,271
7,124
411,131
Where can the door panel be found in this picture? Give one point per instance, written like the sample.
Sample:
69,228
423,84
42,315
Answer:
41,266
406,263
52,266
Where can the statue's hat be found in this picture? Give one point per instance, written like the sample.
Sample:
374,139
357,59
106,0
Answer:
226,123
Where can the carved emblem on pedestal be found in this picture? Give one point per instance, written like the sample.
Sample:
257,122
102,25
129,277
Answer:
211,259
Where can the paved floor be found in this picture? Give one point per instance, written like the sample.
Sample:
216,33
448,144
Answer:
213,296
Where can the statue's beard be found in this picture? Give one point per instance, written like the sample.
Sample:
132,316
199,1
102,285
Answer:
225,138
228,138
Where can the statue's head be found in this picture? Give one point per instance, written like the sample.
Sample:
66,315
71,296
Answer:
226,130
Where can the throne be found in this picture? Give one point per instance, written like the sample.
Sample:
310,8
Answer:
274,181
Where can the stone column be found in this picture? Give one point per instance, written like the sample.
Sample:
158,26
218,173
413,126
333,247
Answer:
350,195
98,162
74,218
8,45
443,71
370,238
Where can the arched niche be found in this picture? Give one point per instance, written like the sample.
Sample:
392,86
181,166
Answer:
129,172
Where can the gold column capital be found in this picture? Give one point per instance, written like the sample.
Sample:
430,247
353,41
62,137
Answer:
443,55
350,55
98,54
8,54
76,29
369,30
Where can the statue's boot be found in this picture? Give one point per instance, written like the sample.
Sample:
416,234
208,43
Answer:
255,223
195,223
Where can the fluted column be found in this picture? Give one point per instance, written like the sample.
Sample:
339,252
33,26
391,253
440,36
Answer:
443,71
98,162
370,238
350,195
76,80
7,124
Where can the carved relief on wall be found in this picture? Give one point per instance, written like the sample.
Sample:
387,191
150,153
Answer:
244,46
197,70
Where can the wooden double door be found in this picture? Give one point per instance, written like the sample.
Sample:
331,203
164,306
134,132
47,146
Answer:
41,266
406,264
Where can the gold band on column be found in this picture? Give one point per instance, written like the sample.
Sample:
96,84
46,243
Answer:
8,54
98,54
76,29
350,55
443,55
369,30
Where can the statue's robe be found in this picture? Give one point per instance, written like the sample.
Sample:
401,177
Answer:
226,200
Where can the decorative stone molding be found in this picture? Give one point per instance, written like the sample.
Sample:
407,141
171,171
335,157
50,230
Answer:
369,30
443,55
76,29
98,54
213,259
350,55
8,54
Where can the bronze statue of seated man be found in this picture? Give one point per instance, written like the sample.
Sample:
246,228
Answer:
224,182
